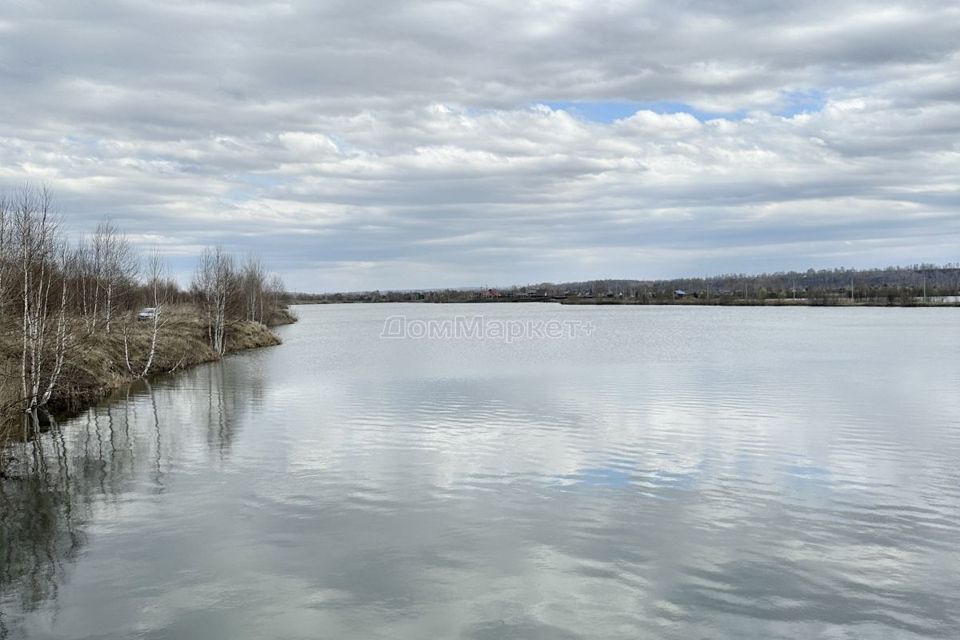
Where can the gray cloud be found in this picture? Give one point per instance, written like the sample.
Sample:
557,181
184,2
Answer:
364,144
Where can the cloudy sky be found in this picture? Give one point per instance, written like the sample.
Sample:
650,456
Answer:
359,144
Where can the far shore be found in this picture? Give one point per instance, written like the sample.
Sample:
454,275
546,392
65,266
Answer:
687,302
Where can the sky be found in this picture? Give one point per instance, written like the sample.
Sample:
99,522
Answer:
362,145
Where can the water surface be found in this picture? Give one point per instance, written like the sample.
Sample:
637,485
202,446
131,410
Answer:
683,472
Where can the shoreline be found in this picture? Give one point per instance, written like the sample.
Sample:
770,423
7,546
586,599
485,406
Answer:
96,369
600,302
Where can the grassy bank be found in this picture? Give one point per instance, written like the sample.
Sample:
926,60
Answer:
96,363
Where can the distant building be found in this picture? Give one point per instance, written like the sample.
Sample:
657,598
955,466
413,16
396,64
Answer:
679,294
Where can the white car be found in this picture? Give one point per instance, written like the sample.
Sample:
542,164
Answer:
148,313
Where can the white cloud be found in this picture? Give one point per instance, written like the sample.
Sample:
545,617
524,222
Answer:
415,138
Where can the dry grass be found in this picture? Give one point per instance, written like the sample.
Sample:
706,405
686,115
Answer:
95,363
281,316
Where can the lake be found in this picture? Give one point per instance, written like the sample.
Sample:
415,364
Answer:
644,472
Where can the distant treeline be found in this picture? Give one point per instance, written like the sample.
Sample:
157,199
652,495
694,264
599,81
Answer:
894,286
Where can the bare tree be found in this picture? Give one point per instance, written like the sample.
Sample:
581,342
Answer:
253,286
54,295
61,336
157,284
214,283
87,275
41,260
114,264
5,214
274,295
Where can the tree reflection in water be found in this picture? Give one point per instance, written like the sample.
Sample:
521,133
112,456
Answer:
56,479
41,516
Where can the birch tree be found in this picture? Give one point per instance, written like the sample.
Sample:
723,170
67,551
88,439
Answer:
253,287
158,287
275,293
41,261
214,283
87,278
114,267
5,215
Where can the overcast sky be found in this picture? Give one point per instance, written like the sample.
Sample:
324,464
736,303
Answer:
359,144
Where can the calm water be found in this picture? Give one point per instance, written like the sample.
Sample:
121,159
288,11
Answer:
679,473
